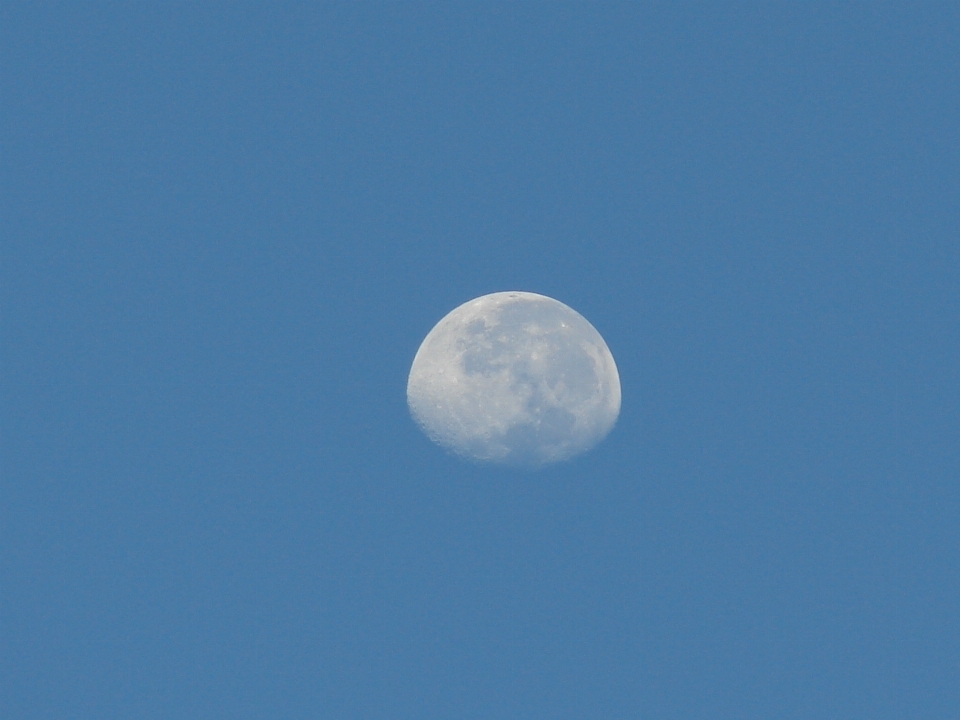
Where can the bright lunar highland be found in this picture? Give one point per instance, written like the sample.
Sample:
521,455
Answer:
517,378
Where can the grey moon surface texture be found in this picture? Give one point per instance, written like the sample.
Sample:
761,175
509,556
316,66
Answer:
515,378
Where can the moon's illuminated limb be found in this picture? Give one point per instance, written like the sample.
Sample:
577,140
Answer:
514,377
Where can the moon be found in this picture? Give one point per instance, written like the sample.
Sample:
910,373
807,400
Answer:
515,378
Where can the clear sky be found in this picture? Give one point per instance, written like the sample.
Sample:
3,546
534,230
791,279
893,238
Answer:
226,229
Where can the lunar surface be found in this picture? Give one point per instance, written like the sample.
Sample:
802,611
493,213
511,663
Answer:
515,378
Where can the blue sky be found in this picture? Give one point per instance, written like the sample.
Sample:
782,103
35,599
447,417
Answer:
226,229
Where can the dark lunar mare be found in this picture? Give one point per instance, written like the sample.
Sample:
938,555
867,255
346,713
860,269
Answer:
565,368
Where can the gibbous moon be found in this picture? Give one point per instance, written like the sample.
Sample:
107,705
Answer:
515,378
